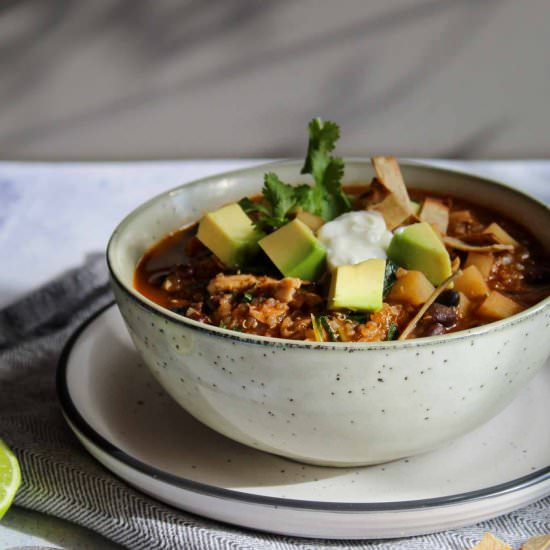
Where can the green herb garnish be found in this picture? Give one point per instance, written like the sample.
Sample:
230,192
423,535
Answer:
389,276
247,297
328,329
393,332
328,199
358,317
325,198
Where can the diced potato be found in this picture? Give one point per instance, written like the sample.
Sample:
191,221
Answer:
490,542
436,214
412,288
464,305
471,283
498,306
311,220
500,235
483,261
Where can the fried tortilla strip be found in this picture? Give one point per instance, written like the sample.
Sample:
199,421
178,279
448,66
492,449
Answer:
433,297
457,244
435,213
396,207
540,542
490,542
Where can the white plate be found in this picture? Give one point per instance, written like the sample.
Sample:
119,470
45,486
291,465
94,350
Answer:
124,419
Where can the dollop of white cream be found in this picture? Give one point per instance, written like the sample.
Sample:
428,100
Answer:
355,237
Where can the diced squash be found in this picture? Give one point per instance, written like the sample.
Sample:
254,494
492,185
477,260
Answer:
436,214
498,306
483,261
500,235
471,283
311,220
464,305
413,288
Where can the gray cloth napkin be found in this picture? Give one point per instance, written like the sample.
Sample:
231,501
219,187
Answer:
60,478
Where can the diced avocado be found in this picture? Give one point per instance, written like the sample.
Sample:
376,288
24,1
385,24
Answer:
358,287
418,247
295,251
230,234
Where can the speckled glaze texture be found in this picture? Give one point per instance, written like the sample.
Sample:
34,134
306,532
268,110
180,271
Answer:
329,404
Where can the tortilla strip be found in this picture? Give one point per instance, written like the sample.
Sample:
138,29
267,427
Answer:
433,297
435,213
457,244
396,207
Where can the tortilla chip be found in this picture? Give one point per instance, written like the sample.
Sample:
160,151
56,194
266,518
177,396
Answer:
541,542
396,207
490,542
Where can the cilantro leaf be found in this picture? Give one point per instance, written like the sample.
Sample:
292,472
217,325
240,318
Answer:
281,196
393,332
250,206
325,198
329,199
322,138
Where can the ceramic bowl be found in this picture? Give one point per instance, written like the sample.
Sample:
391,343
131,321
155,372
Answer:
333,404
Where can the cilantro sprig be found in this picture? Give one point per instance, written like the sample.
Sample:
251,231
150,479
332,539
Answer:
325,198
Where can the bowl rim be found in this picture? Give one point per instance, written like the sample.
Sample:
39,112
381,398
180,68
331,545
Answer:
271,341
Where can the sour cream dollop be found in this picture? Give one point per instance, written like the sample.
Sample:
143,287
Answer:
355,237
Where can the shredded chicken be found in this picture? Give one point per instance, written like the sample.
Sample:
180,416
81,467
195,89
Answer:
282,290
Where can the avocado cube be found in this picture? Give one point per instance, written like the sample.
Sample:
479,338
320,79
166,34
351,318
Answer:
418,247
230,234
295,251
358,287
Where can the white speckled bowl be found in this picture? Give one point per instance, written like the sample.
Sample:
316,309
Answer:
333,404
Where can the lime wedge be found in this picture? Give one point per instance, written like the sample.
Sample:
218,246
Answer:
10,477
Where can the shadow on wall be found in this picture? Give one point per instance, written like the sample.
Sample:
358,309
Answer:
132,78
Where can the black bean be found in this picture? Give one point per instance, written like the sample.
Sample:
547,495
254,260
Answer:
449,298
537,274
434,329
185,271
439,313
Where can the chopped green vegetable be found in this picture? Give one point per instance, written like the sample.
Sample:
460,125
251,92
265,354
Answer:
328,198
317,329
358,317
247,297
393,332
328,329
325,198
389,276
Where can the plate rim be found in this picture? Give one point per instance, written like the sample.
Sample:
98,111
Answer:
70,410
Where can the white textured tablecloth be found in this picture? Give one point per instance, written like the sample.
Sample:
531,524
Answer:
53,215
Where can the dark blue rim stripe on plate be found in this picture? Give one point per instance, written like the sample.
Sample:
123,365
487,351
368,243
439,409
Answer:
80,423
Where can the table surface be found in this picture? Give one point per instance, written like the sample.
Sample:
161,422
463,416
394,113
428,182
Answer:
53,215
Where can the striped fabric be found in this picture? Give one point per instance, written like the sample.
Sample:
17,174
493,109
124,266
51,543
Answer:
61,479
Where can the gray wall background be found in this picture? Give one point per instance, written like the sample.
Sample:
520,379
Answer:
125,79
